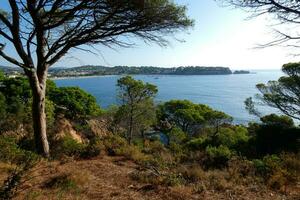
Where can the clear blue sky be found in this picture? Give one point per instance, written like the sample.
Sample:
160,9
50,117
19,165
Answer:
221,37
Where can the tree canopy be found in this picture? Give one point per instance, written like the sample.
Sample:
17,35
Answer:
283,94
190,116
137,108
74,102
279,121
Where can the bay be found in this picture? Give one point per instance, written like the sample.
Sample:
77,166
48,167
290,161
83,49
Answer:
222,92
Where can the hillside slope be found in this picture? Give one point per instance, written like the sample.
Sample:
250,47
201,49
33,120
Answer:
110,178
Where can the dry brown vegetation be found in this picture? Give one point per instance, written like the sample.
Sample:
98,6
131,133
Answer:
117,177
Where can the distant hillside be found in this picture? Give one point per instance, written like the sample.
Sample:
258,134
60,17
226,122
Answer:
9,70
90,70
149,70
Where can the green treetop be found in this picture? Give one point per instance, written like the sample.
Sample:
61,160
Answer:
137,108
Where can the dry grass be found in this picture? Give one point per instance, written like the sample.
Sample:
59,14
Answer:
111,178
4,170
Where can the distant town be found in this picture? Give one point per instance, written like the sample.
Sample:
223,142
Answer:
91,70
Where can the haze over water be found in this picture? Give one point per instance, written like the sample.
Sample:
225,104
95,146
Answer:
222,92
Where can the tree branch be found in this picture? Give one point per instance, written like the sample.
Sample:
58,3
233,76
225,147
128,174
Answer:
11,60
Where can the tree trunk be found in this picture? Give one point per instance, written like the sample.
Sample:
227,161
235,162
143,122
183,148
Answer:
214,136
38,87
130,131
130,134
39,124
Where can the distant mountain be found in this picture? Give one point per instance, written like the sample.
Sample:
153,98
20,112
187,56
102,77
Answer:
90,70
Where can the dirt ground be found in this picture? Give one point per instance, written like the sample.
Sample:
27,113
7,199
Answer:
109,178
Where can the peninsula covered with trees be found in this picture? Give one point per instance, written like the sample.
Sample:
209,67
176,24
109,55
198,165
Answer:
92,70
144,70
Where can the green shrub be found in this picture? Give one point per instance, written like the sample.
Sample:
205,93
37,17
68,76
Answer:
278,120
9,149
231,137
196,144
279,171
67,146
139,142
176,135
161,156
272,170
90,151
154,148
217,156
266,166
133,153
177,150
63,182
113,142
24,160
79,104
11,152
173,179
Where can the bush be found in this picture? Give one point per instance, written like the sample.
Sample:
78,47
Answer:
266,166
63,182
176,135
113,142
90,151
11,152
232,137
177,150
217,156
217,181
133,153
24,160
160,155
192,174
276,120
76,102
240,169
196,144
278,171
173,179
9,149
67,146
154,148
276,134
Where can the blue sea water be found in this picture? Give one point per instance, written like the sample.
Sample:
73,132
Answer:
222,92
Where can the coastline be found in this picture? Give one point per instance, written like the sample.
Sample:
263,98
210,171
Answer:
79,77
93,76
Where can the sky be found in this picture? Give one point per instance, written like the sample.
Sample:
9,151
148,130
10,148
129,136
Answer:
222,36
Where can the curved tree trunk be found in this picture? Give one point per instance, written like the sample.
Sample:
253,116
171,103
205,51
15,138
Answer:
38,86
39,123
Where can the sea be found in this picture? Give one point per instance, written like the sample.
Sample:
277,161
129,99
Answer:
226,93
